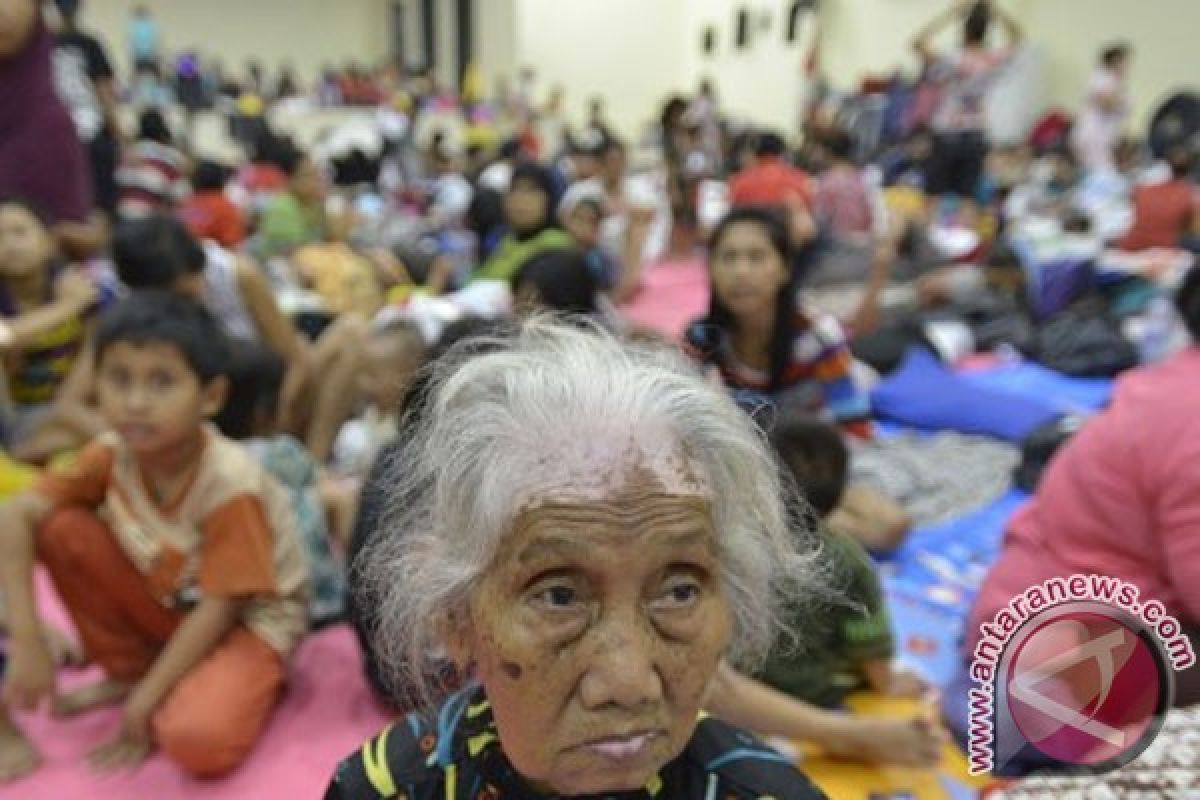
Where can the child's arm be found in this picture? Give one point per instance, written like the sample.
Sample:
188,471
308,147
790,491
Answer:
74,295
75,419
279,334
629,274
30,674
194,639
885,677
747,703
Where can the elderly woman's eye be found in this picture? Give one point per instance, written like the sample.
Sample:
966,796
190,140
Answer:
679,594
557,596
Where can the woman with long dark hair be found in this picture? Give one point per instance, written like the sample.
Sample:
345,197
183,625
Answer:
775,352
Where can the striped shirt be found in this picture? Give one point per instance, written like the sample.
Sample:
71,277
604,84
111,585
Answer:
150,180
819,377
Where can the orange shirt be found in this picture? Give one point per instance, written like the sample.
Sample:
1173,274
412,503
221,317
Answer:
230,531
770,182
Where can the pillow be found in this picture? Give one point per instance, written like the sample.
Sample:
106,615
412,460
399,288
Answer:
924,394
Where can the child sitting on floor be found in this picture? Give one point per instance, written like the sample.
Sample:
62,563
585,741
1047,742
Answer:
175,554
794,695
209,213
153,177
255,380
45,315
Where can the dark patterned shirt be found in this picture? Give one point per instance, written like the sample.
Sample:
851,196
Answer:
458,757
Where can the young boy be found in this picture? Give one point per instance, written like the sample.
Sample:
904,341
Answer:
175,554
846,647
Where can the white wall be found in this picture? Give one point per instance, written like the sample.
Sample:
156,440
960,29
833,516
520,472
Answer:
1162,32
763,82
634,52
305,33
628,51
496,41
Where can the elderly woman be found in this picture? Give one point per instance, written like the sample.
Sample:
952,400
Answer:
584,529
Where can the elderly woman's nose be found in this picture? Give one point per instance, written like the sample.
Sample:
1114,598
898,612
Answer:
623,670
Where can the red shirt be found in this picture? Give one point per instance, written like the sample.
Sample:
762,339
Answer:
770,182
1162,214
212,215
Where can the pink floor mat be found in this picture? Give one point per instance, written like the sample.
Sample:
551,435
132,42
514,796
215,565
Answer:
673,293
327,713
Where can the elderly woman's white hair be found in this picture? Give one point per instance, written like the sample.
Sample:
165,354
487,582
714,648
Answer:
500,427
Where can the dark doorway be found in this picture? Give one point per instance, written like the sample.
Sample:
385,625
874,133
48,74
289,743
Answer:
742,27
399,54
465,19
429,34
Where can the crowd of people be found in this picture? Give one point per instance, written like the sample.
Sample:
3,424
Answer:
245,401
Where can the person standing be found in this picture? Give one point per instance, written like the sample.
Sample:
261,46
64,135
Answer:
41,158
966,75
145,42
86,83
1105,110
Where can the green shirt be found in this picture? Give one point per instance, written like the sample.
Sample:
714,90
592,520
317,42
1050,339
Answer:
838,637
511,254
286,225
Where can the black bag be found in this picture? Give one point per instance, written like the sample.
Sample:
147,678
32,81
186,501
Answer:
884,349
1040,446
996,320
1084,341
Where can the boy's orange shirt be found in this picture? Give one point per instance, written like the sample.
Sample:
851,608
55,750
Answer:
229,533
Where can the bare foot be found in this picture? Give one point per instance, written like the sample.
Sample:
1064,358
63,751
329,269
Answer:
65,651
915,742
17,756
118,753
105,693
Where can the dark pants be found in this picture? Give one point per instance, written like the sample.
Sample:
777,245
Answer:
956,164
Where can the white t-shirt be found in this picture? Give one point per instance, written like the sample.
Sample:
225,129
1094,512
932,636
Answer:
1097,121
966,77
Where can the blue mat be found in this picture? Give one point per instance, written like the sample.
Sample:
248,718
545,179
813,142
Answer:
932,580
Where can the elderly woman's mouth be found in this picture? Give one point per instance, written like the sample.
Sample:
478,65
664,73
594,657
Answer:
623,747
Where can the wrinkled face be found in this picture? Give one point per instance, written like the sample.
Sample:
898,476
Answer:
525,206
151,397
747,271
25,245
597,631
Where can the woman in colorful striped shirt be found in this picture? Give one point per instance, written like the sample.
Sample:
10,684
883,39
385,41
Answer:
776,353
